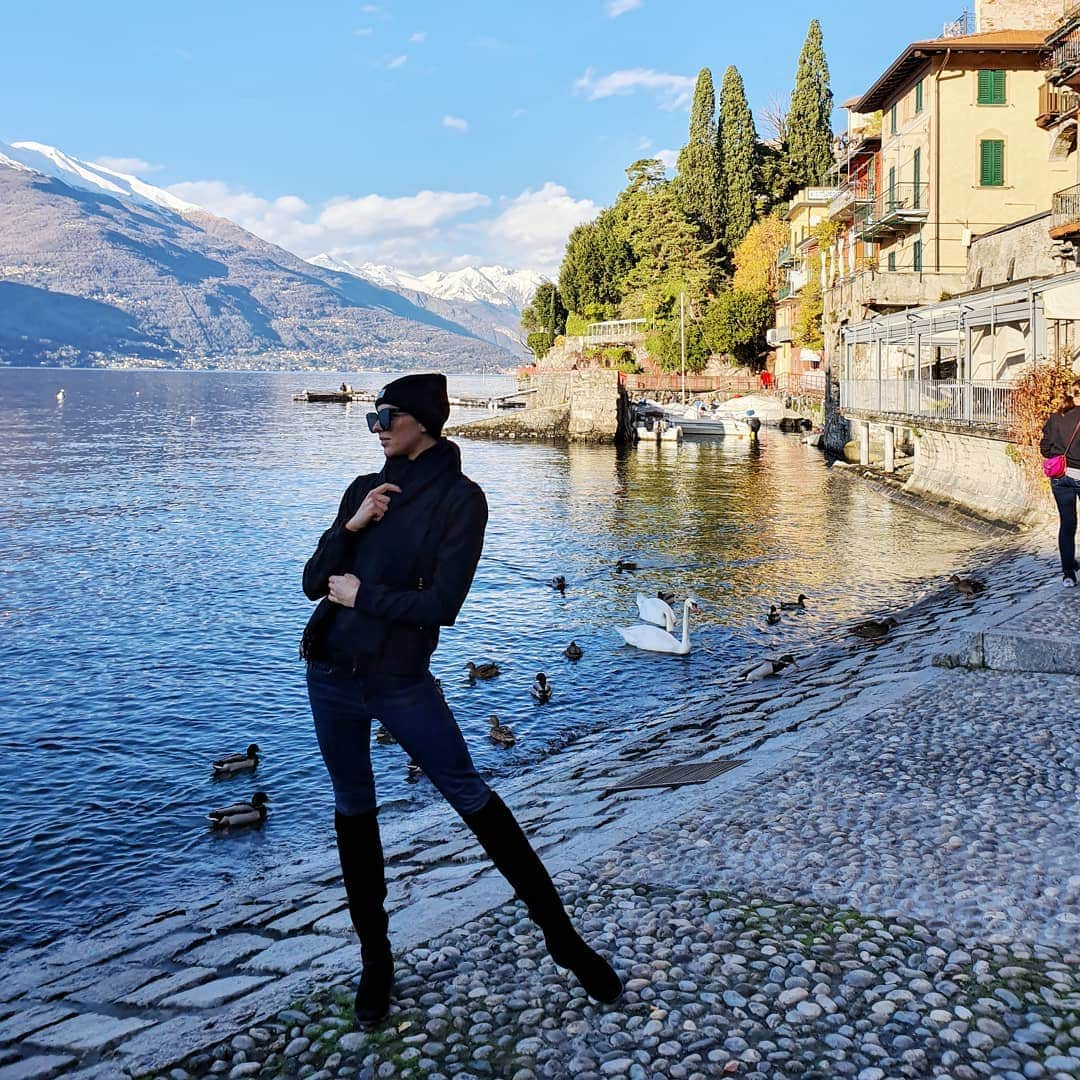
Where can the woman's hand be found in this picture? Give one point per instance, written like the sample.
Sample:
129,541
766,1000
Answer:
376,503
343,588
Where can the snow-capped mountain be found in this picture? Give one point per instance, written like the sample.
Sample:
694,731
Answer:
486,299
495,285
88,176
99,266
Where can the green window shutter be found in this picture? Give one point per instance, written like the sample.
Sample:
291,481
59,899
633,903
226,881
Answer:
919,96
892,119
916,255
991,87
916,170
892,260
892,187
992,162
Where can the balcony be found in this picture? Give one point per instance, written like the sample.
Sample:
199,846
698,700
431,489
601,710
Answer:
849,198
1064,46
1065,213
1054,103
777,335
902,207
873,291
785,258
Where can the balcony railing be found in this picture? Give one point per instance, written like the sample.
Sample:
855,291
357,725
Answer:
1054,102
617,330
985,403
1065,208
785,257
784,291
1065,52
848,197
896,209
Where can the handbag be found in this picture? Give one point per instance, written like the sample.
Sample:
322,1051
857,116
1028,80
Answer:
1054,467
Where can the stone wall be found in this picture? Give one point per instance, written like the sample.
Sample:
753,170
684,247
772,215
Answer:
976,473
993,15
1013,253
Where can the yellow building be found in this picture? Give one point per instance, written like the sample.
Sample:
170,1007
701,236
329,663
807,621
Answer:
960,152
797,260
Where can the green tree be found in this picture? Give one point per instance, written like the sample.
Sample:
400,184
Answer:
737,156
544,319
809,121
736,323
597,260
665,348
698,165
756,269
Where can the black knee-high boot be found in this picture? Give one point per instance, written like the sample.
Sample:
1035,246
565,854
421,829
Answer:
501,837
361,854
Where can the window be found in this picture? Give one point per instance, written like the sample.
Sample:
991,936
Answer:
919,96
991,87
916,255
992,162
891,204
893,125
916,176
892,260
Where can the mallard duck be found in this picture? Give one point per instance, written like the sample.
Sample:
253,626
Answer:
967,586
774,615
500,733
541,688
384,735
794,605
235,763
872,629
482,671
624,564
413,772
558,583
252,812
667,597
573,651
770,666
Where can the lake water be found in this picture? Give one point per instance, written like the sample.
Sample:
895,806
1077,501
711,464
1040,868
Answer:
152,534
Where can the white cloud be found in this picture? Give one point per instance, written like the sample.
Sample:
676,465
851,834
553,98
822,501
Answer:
615,8
673,90
132,166
535,225
396,61
424,231
363,31
455,123
668,157
420,35
371,9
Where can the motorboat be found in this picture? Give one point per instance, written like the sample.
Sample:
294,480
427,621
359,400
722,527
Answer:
696,420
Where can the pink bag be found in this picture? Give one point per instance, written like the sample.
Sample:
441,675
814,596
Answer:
1054,467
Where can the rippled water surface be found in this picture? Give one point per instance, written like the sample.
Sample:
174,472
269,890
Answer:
152,532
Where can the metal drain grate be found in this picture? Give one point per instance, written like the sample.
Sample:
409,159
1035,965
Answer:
674,775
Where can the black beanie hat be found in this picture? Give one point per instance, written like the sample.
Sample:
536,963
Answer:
421,396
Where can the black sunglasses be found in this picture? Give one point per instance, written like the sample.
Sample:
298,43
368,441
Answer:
383,417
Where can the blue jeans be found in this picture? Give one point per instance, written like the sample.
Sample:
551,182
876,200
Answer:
1066,491
413,709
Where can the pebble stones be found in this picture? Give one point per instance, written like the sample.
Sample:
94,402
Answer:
716,984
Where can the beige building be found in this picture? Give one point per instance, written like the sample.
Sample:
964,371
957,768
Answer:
798,261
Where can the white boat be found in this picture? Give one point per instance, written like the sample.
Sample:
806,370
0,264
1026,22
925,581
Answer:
695,421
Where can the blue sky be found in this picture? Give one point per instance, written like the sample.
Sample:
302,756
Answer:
422,134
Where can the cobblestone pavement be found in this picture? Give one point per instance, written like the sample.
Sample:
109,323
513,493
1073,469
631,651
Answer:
887,886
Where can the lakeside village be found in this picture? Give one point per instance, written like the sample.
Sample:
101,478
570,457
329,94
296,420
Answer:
910,286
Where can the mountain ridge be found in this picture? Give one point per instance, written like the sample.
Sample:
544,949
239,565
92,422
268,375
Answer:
98,267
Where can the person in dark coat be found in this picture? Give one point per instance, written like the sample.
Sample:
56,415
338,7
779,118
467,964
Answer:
1061,435
394,567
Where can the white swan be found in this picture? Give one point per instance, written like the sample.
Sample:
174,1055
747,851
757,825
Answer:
652,609
656,640
60,394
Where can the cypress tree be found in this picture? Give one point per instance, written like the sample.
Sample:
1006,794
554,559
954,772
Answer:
698,166
737,153
809,122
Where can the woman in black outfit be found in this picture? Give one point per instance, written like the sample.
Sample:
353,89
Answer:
397,564
1061,435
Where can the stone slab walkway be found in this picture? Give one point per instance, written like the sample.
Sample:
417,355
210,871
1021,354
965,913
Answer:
870,779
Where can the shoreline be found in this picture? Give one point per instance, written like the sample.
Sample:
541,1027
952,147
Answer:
292,921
